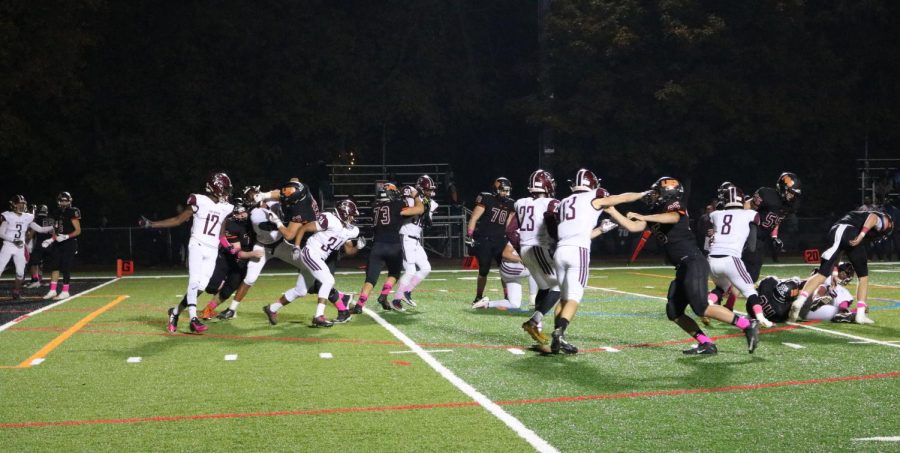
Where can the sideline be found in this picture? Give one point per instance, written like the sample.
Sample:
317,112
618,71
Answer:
29,315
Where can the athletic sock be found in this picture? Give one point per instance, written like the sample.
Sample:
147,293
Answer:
53,286
65,287
192,311
562,324
234,305
740,322
701,337
320,310
386,289
729,304
361,301
275,306
340,302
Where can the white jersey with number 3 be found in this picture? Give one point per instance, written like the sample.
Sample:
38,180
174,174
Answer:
530,214
208,218
731,226
577,217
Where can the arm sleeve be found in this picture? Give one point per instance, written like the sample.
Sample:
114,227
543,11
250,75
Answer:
40,229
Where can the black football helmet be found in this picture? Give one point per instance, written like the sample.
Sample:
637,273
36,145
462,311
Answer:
788,183
239,206
541,181
387,191
64,200
788,289
845,272
18,204
731,196
585,180
885,229
42,210
664,191
426,186
218,184
293,192
502,187
248,194
346,211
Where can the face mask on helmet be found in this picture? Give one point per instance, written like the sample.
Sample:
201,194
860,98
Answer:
218,185
293,192
664,191
541,181
789,186
64,200
346,211
426,186
18,204
845,273
387,191
502,187
43,210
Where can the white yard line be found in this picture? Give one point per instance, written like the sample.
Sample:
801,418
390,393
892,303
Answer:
879,439
792,345
513,423
29,315
817,329
413,352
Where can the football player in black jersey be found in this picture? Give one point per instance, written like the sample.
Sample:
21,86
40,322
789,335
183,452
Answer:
38,251
231,264
773,205
387,214
63,246
486,231
775,298
669,224
848,236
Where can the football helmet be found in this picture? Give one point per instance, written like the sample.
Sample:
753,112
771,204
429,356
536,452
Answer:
426,186
218,184
239,206
789,288
585,180
293,192
541,181
788,183
502,187
845,272
249,195
64,200
42,210
885,228
664,191
18,204
387,191
346,211
731,196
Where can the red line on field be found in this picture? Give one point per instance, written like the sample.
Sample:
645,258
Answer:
563,399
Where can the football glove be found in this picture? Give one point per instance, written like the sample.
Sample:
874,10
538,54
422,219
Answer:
273,217
295,254
61,237
763,321
607,225
777,244
47,243
360,243
144,222
469,241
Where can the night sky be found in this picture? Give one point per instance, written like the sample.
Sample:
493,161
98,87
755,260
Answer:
128,105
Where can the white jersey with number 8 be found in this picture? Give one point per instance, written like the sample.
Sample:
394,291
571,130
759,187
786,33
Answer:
731,228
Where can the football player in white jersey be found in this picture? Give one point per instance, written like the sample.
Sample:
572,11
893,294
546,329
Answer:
329,232
14,231
832,299
209,211
576,221
415,261
733,227
512,272
537,247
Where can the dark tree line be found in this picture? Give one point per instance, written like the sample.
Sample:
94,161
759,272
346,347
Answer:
129,104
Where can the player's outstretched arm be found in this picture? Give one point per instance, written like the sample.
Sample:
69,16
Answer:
171,222
612,200
632,225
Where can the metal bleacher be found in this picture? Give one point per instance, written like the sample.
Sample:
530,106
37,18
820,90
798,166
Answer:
358,182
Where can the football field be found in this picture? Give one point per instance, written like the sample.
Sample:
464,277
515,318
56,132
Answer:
99,372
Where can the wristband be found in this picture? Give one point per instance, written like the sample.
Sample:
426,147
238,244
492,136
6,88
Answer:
469,232
865,230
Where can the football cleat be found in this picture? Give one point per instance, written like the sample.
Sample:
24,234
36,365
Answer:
844,316
407,299
197,326
481,303
343,316
861,318
356,309
321,321
397,305
752,333
271,315
208,313
62,295
559,343
50,295
702,349
226,315
382,299
33,285
172,327
534,331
